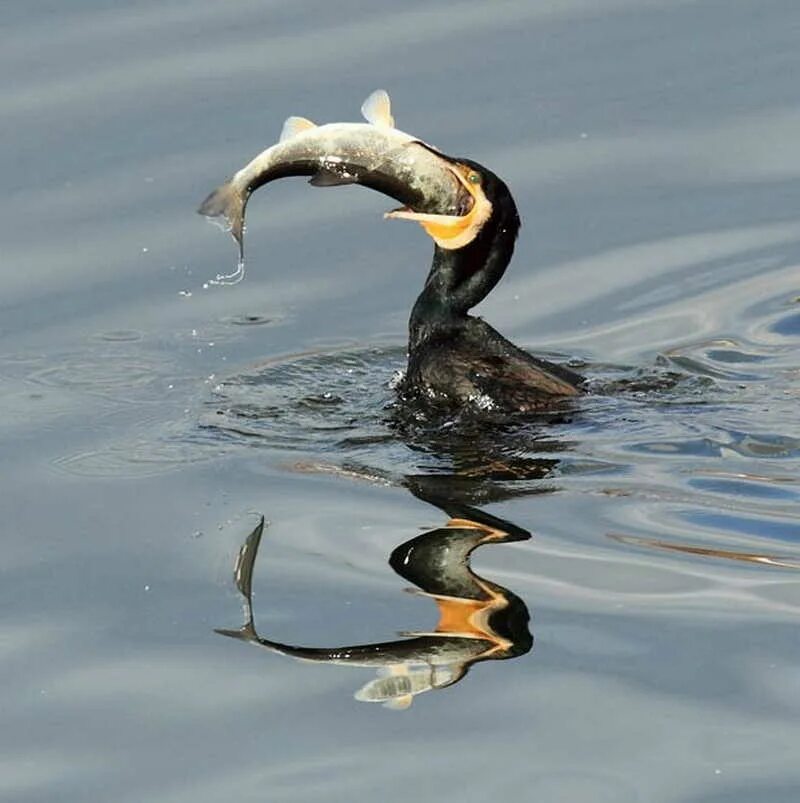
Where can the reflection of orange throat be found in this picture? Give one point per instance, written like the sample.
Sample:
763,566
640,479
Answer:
453,231
469,618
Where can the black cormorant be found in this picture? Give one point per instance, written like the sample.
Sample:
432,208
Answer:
456,359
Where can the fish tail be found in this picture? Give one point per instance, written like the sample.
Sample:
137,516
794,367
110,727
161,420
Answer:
227,201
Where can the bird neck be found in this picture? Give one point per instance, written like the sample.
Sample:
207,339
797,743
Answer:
461,278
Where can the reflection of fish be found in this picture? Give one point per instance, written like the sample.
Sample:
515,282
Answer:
478,620
396,686
374,154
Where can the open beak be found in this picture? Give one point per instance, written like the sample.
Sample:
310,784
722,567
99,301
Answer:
452,231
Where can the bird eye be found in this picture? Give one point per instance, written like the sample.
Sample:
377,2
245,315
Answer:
474,178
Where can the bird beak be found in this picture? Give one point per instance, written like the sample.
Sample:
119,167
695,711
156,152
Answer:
452,231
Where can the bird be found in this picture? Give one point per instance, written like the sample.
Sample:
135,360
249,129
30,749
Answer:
457,360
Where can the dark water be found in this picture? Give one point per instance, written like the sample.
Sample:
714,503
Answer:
146,423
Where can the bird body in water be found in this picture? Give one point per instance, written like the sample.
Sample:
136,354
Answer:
455,361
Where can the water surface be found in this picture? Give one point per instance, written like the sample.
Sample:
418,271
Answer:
147,422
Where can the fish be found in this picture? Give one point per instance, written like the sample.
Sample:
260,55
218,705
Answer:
375,154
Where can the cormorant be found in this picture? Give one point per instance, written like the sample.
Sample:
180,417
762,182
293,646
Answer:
456,359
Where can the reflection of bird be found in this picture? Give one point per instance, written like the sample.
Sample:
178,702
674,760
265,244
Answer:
478,619
454,358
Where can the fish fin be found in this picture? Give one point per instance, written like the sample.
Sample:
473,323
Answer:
245,633
377,109
365,693
448,675
294,126
326,177
400,703
228,202
389,670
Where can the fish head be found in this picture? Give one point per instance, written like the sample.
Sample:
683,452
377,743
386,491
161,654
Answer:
452,232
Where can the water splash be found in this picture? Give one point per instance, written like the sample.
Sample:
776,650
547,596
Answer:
228,279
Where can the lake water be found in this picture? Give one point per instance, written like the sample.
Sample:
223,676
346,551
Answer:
147,422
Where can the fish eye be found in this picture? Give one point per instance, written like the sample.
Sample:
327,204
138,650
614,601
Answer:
473,177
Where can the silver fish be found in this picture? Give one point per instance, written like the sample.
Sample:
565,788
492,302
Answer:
432,187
